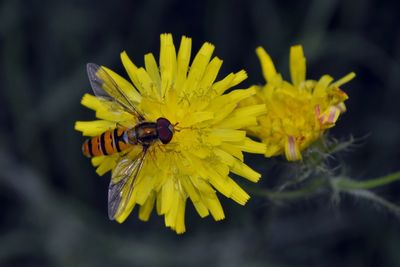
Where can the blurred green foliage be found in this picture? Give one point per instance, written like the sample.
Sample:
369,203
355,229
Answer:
54,206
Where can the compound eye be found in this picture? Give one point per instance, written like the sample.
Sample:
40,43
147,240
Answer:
165,130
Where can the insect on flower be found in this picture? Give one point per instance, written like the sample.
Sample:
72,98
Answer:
171,133
144,133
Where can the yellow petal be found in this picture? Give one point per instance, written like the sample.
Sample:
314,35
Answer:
196,117
245,171
106,165
210,74
238,194
168,195
292,151
201,208
171,214
233,149
125,86
190,189
124,215
180,227
92,102
152,69
96,161
222,85
240,76
237,122
342,107
198,67
267,65
131,69
322,85
344,80
228,135
146,209
330,116
214,206
94,128
250,111
147,85
252,146
297,65
167,62
183,61
144,186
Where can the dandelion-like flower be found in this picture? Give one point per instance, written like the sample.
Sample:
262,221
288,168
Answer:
298,113
207,144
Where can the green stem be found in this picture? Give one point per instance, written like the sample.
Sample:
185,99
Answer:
374,198
341,184
305,191
345,183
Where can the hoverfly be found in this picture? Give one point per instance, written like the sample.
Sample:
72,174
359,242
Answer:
144,134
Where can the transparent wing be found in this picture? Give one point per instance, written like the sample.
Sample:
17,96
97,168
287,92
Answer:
122,183
104,86
112,105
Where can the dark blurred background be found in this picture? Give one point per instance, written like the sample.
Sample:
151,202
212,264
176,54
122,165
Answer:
53,205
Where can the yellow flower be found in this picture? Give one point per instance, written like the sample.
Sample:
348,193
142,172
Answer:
207,144
298,113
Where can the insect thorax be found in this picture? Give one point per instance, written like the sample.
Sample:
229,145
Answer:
144,133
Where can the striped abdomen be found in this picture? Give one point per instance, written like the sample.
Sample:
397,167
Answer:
107,143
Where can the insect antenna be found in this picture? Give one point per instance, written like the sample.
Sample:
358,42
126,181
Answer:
178,128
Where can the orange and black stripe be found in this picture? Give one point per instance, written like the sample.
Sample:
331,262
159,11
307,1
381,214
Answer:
107,143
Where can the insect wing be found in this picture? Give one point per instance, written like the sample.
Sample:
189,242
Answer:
104,86
122,184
